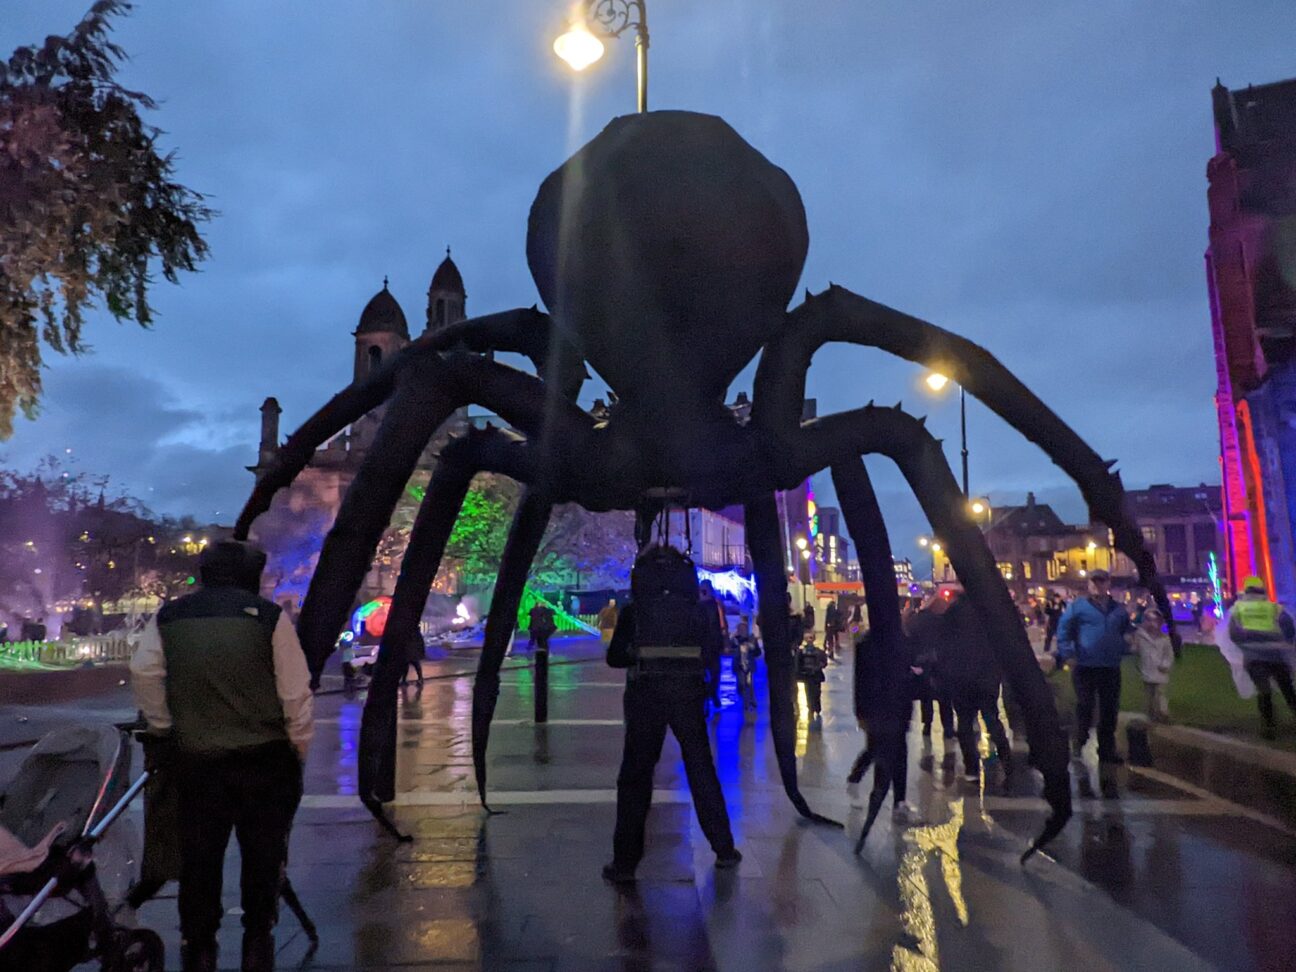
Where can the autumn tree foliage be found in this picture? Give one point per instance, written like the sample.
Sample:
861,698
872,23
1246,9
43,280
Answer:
88,206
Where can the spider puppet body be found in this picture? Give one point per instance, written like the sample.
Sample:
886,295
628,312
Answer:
667,251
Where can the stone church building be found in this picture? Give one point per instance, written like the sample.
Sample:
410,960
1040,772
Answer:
292,530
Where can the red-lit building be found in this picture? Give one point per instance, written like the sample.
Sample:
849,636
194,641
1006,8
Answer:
1251,276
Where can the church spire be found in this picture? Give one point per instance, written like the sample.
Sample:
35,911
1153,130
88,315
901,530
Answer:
447,299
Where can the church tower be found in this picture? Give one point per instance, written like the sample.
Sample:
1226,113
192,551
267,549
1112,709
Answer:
447,301
381,333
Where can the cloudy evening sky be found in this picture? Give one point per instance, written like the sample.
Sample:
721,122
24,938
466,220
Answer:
1030,174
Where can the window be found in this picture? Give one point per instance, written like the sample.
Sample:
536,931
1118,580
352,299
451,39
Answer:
440,312
1149,534
375,357
1026,569
1176,538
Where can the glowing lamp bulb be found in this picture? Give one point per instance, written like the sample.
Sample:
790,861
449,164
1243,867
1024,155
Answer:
923,541
936,547
801,543
805,554
978,507
578,47
936,381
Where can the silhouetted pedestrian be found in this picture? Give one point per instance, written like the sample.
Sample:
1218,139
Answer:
669,643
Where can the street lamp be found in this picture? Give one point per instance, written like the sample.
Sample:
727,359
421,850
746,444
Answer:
580,47
934,546
937,382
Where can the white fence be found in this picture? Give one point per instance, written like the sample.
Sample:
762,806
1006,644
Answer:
113,647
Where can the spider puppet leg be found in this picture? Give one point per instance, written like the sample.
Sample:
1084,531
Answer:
525,535
490,450
764,540
839,315
882,700
904,439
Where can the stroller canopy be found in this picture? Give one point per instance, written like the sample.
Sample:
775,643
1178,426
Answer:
68,778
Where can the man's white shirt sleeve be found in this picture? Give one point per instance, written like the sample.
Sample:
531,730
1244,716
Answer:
148,678
292,682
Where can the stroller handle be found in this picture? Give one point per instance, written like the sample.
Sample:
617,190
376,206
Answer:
121,805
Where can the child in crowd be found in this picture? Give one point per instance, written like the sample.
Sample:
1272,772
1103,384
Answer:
1155,656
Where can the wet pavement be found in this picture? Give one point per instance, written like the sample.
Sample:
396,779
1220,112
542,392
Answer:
1154,877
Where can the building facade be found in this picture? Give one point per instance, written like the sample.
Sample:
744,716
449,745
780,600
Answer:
1251,281
1037,552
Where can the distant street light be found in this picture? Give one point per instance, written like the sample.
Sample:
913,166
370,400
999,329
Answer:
580,48
937,382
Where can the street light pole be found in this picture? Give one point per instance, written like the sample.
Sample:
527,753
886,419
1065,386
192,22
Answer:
936,381
963,428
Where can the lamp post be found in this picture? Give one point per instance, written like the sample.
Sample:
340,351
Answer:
936,382
580,47
933,547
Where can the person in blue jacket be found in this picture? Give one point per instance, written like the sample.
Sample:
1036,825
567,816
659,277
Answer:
1091,638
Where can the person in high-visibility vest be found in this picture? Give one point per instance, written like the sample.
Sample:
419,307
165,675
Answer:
1265,633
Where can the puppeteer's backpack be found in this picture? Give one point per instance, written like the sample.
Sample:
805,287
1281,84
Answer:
663,583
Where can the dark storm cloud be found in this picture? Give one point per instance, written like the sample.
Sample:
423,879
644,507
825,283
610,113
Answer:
174,459
1029,174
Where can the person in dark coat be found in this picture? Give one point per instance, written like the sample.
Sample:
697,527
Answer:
882,714
541,625
925,630
222,673
810,665
669,678
832,629
971,676
1052,615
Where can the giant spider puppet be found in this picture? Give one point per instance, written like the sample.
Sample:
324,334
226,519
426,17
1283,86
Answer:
667,251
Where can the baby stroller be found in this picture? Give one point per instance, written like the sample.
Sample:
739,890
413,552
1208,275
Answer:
54,914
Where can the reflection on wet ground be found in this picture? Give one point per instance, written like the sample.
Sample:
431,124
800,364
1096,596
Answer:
1151,878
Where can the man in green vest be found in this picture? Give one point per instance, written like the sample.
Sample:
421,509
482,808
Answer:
222,672
1265,634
